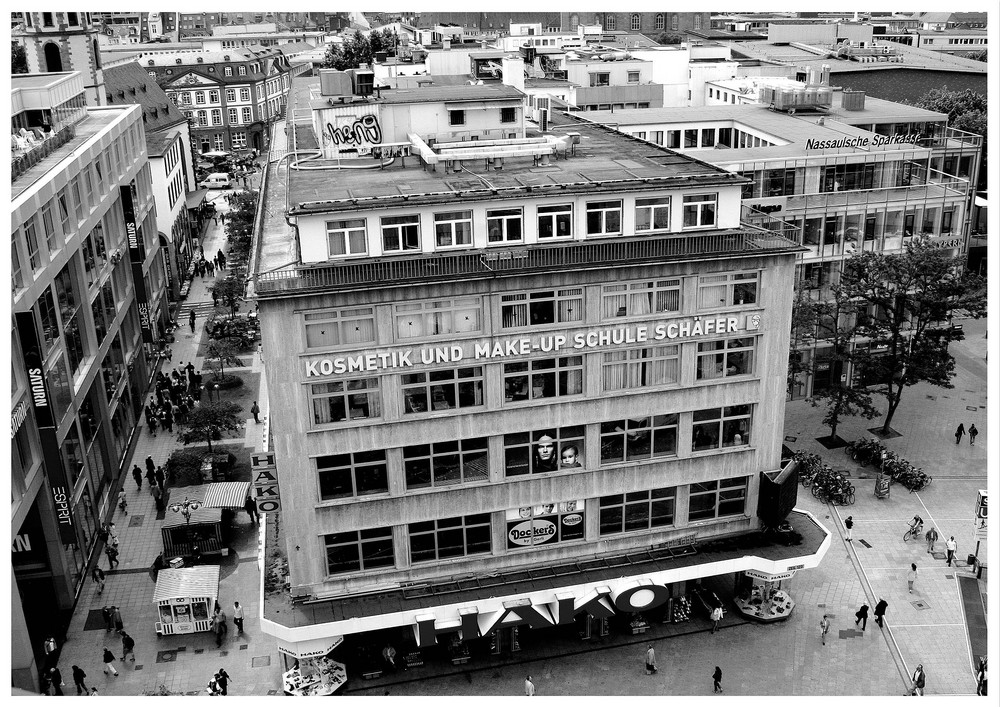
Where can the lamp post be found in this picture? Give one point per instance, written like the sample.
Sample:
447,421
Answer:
186,509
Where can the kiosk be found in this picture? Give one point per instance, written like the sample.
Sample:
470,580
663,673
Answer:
759,596
185,598
312,671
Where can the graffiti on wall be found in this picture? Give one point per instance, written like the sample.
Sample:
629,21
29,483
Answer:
364,130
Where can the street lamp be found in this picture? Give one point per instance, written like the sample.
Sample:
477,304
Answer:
186,509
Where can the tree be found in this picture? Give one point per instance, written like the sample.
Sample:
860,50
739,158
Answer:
360,49
239,224
966,111
18,58
229,292
803,329
221,352
911,298
208,422
667,38
977,56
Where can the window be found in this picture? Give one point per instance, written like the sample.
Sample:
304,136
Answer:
219,142
244,94
230,95
721,427
717,499
247,115
699,210
227,71
632,77
604,217
453,228
691,137
242,70
652,214
216,116
542,307
346,237
437,317
349,475
638,439
400,233
186,98
354,399
213,96
442,390
658,21
49,227
601,79
446,463
547,523
78,205
640,298
847,177
234,116
336,328
503,225
728,357
31,238
202,117
639,510
708,136
359,550
779,182
610,21
544,450
640,368
674,21
456,117
634,22
199,96
728,290
450,537
543,378
555,221
508,115
17,278
239,138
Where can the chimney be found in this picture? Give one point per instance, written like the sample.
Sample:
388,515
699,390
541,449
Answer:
446,43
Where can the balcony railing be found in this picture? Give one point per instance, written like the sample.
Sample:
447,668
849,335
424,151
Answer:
750,240
23,160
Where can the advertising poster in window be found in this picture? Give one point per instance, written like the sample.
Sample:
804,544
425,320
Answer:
545,524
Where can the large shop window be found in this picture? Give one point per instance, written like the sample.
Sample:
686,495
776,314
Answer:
541,308
652,214
721,427
555,221
729,290
400,233
340,327
354,399
443,390
847,177
453,228
728,357
446,463
349,475
503,225
717,499
450,537
638,439
543,378
640,298
699,210
359,550
604,218
346,237
639,510
545,524
640,368
543,451
438,317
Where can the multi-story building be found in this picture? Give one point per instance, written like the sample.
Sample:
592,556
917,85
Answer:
230,97
64,41
490,360
88,297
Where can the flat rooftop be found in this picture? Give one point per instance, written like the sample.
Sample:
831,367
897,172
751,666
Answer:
913,58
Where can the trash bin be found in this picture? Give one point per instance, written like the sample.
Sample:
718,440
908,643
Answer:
970,560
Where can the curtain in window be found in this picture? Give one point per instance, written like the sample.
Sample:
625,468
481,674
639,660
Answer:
668,301
639,304
359,331
713,296
614,306
515,316
570,310
409,326
710,367
614,374
467,320
322,335
439,322
572,382
636,373
660,371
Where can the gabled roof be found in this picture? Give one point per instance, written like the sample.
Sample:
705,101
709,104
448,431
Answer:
127,84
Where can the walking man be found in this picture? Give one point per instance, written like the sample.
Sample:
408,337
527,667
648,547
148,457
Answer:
128,646
255,411
160,477
55,679
952,548
137,475
959,432
529,687
238,617
716,617
109,662
880,608
848,525
98,574
78,677
150,465
919,679
150,479
824,628
250,506
109,618
931,537
112,554
911,577
222,679
861,616
650,660
117,614
973,433
191,319
717,679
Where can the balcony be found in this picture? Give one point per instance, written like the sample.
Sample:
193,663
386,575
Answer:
25,156
744,242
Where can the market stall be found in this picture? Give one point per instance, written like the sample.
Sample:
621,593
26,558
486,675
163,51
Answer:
192,526
759,596
185,598
312,670
227,494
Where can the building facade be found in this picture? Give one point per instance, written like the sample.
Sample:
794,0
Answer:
87,283
510,355
64,41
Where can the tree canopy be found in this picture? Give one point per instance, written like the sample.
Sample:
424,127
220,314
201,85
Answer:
360,49
208,422
966,111
18,58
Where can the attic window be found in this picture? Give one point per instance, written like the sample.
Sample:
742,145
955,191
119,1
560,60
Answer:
201,60
110,97
149,63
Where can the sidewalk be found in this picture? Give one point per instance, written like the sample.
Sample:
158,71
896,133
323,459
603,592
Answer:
180,663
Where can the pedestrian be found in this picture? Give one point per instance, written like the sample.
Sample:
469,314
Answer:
158,564
78,677
952,547
931,538
137,475
981,677
113,533
919,680
529,687
119,624
220,626
109,618
255,411
861,616
98,574
911,577
880,608
112,554
157,497
215,299
160,477
959,432
973,433
191,319
109,662
221,258
717,679
128,646
213,686
238,617
152,425
824,628
222,679
123,501
150,464
151,480
848,525
650,660
55,679
716,617
250,506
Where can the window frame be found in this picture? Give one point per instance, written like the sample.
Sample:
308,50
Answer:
504,226
508,114
338,319
400,227
730,420
724,491
638,365
437,317
697,205
602,210
347,230
635,434
456,117
736,347
536,300
368,387
440,528
656,295
517,443
359,539
434,457
357,463
741,289
453,221
655,206
641,501
541,374
418,390
555,215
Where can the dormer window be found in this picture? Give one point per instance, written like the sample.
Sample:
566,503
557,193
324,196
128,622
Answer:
228,71
242,70
200,60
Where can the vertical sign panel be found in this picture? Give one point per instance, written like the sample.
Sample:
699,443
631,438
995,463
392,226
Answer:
136,257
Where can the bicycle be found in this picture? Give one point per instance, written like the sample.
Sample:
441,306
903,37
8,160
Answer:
912,532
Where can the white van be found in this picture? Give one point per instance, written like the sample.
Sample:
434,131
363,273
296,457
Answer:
216,180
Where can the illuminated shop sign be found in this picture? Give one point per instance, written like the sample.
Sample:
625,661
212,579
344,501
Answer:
507,349
861,141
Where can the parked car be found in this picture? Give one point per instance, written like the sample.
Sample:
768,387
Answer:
216,180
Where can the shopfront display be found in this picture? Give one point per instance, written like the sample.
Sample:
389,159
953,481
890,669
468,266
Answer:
314,676
185,599
760,596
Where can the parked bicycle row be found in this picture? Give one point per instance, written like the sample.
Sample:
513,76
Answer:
869,451
826,484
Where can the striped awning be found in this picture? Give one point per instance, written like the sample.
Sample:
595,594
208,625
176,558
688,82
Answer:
227,494
202,581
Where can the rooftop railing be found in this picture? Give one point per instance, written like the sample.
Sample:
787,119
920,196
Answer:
746,241
22,160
